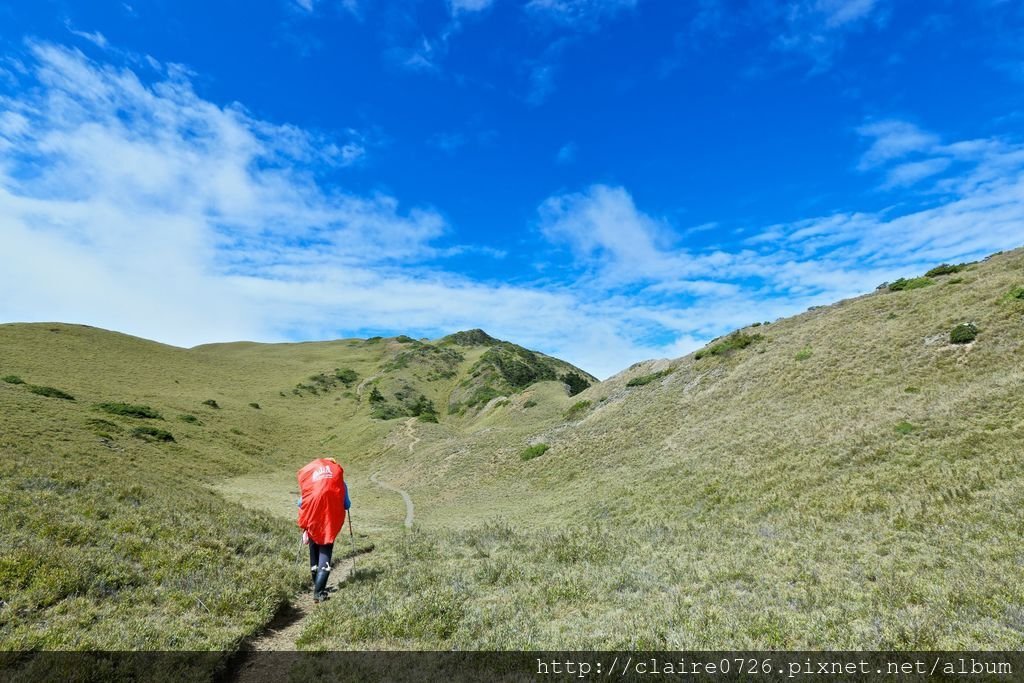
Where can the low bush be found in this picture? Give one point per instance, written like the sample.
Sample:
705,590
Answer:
50,392
210,402
964,333
945,269
577,410
387,411
530,403
647,379
1015,294
575,381
376,396
913,283
804,353
130,410
903,427
254,405
534,451
191,419
346,376
12,379
152,434
734,342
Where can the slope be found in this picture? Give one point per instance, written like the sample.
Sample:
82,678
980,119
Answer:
848,478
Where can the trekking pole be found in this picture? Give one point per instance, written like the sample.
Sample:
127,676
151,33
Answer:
352,541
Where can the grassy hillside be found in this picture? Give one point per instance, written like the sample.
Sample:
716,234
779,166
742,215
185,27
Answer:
847,478
125,525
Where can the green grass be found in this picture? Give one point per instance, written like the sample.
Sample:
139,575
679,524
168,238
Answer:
577,410
534,451
130,410
50,392
757,503
945,269
152,434
734,342
644,380
803,354
12,379
913,283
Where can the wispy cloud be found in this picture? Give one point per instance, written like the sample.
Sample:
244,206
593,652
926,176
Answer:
566,153
130,202
584,15
818,28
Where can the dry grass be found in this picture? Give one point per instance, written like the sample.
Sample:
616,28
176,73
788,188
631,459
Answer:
863,495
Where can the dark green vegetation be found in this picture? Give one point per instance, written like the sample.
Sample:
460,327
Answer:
964,333
130,410
50,392
577,410
643,380
12,379
913,283
945,269
534,451
734,342
866,497
152,434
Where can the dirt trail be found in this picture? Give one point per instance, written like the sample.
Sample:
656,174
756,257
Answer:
282,632
409,512
413,439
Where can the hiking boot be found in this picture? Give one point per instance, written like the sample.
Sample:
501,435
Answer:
320,584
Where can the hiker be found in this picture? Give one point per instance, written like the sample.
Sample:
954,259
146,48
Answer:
323,502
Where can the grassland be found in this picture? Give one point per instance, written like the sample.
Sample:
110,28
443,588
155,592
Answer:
848,478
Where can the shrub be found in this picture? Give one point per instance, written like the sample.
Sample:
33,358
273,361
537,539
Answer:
152,434
50,392
575,381
577,410
945,269
404,339
904,427
647,379
210,402
191,419
912,390
103,427
376,396
427,417
734,342
387,411
804,353
346,376
129,410
964,333
254,405
530,403
12,379
1015,294
534,451
914,283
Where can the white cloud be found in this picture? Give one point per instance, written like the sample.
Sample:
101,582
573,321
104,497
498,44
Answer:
134,204
566,153
464,6
818,28
582,14
914,171
893,139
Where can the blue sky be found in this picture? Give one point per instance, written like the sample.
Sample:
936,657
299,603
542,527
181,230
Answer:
603,180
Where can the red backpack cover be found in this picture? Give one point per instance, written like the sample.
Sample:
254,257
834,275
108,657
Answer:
322,487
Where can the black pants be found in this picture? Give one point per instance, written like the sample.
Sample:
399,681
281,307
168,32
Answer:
320,555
